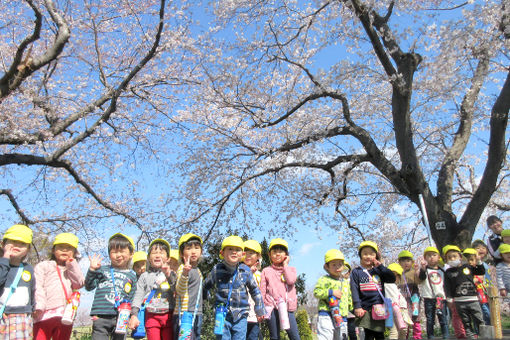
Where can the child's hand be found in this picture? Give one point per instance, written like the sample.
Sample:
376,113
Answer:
286,261
8,251
95,262
254,268
133,322
502,292
423,263
337,293
187,267
359,312
37,314
260,319
165,268
376,262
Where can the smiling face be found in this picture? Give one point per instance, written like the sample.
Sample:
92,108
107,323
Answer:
120,257
63,253
251,257
482,251
277,255
496,227
158,256
192,251
367,256
334,268
232,255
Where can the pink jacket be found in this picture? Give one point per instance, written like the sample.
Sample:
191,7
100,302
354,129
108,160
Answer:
273,287
49,293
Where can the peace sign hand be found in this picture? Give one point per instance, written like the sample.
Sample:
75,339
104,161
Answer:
95,262
187,266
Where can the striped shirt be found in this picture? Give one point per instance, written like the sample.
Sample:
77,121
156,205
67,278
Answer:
104,296
186,290
503,274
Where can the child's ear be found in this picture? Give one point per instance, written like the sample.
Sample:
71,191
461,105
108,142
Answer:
325,266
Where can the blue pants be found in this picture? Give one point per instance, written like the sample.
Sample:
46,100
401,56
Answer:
486,313
233,330
274,326
253,332
430,314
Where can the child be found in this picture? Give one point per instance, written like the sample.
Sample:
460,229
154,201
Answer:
189,284
17,284
56,279
431,286
174,260
484,282
351,319
503,270
252,256
409,287
112,283
335,286
367,288
156,286
277,285
495,224
394,293
139,263
461,290
232,281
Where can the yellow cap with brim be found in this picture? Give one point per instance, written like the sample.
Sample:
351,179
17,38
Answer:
253,245
186,237
469,251
174,254
450,247
19,232
370,244
126,237
333,254
139,256
397,268
504,248
431,250
405,254
505,232
160,240
278,242
232,241
66,238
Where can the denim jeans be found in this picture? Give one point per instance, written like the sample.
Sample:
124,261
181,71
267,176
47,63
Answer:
253,331
486,313
233,330
430,314
274,326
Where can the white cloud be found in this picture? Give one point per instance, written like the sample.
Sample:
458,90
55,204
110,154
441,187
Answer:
305,248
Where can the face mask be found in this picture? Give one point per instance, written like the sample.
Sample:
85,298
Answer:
454,263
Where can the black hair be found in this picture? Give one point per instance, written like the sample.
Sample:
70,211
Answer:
160,245
119,242
76,254
280,247
493,219
191,241
377,255
477,243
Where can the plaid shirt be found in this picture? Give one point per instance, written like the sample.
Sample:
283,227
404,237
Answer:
221,277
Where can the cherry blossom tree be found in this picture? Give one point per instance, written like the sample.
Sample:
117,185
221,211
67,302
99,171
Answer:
85,94
342,114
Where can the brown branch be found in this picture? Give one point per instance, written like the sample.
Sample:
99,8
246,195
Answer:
14,203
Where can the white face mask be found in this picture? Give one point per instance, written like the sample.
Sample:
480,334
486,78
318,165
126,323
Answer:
454,263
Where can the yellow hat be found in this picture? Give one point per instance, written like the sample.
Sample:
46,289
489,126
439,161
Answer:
431,250
450,247
278,242
174,254
139,256
253,245
333,254
505,232
126,237
469,251
19,232
232,241
186,237
397,268
370,244
66,238
165,242
504,248
405,253
347,265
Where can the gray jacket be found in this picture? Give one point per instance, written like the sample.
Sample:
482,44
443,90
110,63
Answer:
163,300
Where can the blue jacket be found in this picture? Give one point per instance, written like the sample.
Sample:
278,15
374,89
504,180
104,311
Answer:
363,290
221,277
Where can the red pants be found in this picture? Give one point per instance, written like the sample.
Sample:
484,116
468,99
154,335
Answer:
52,329
159,326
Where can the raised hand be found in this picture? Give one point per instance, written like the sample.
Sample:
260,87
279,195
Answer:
95,262
187,266
8,251
286,261
165,268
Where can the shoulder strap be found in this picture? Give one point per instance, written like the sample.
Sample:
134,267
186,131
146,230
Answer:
376,285
117,298
230,286
68,298
12,288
